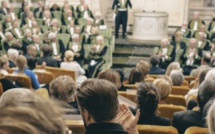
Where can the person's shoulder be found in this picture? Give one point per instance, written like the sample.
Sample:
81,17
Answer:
163,121
186,114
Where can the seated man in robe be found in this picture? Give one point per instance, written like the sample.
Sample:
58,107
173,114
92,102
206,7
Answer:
39,9
27,40
27,22
165,53
86,13
185,31
7,24
37,43
14,16
196,22
80,7
98,19
192,57
203,44
69,15
202,30
16,31
70,28
11,42
55,28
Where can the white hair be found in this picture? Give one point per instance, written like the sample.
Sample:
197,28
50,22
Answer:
27,31
11,94
98,14
52,35
177,77
8,34
211,118
165,40
12,53
210,75
54,21
90,19
100,38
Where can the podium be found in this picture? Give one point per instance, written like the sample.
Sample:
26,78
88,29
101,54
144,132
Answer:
149,26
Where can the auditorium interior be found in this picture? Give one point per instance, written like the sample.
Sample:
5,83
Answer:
107,67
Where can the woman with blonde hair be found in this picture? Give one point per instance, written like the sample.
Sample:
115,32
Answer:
172,66
70,64
144,67
21,63
164,88
4,64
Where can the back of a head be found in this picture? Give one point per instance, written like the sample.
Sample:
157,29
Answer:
211,118
206,92
144,67
21,62
167,78
46,49
31,62
12,53
172,66
147,98
135,76
31,114
206,58
177,77
111,76
69,56
202,74
99,98
154,61
210,75
164,88
63,88
121,74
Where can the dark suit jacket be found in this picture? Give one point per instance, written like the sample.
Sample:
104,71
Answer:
156,70
49,61
185,119
116,2
11,64
25,43
210,25
2,11
37,10
105,128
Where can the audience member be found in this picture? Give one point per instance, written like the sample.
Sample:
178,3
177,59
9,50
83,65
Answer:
196,22
12,55
97,94
122,78
144,67
4,64
172,66
21,63
136,76
177,77
111,76
70,64
164,89
155,69
31,51
185,119
47,52
148,98
64,88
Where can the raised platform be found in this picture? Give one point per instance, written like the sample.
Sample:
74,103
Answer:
128,53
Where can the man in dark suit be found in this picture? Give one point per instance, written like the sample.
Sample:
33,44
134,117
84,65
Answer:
185,119
4,9
27,40
100,94
40,8
47,51
122,15
154,61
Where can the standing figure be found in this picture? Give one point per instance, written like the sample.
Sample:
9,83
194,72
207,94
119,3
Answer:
121,15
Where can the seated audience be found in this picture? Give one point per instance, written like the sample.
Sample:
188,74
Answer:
27,22
98,19
16,30
7,24
99,94
77,48
186,33
10,42
39,9
86,13
122,78
4,64
96,56
55,7
47,52
172,66
70,28
47,19
37,43
68,17
14,16
148,98
155,69
144,67
111,76
55,27
80,7
136,76
191,58
202,34
177,77
165,53
165,77
31,51
31,62
2,36
21,63
27,40
30,114
64,89
4,8
185,119
12,55
164,89
36,30
70,64
86,30
196,22
205,63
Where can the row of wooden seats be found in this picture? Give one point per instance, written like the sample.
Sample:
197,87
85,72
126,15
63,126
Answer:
78,127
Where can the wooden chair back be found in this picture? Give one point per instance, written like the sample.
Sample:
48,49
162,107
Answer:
176,100
1,89
168,110
197,130
185,83
44,77
59,72
152,129
189,78
131,97
76,126
23,80
180,90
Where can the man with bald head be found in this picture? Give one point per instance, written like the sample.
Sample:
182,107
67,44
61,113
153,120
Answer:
196,22
165,53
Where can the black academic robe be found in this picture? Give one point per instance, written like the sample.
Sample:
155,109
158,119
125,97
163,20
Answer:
25,43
